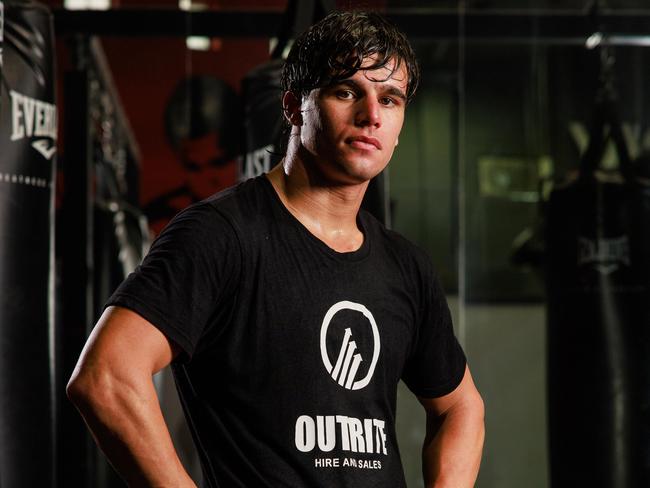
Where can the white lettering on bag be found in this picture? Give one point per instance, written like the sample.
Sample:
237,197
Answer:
32,118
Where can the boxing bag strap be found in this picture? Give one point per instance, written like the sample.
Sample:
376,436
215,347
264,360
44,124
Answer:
606,125
298,16
24,38
2,17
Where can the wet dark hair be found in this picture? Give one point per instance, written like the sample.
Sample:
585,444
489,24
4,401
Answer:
335,48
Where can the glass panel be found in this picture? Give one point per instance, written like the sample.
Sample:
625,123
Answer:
526,117
505,156
423,170
423,175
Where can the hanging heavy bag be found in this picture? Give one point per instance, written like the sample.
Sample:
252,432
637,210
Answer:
265,130
597,299
2,22
640,196
27,150
263,122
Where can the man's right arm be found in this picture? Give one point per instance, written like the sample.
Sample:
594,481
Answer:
112,388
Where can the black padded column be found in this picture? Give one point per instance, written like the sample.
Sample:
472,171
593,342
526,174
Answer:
28,126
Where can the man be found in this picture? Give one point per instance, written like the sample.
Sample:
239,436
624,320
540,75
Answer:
288,315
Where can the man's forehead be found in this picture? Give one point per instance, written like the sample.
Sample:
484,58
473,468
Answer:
384,74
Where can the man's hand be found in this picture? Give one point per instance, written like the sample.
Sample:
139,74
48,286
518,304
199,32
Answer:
452,449
113,390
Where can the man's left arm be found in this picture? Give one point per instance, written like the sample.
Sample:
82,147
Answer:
452,449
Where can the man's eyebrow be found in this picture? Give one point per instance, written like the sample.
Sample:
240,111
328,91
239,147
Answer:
389,89
349,82
393,90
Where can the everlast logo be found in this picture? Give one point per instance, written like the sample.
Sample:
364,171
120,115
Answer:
35,119
606,255
257,162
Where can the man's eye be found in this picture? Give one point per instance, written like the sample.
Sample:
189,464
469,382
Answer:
387,101
345,94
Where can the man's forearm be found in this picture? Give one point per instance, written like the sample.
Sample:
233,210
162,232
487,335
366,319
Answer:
452,449
127,424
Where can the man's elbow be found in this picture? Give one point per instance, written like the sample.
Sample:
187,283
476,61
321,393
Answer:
87,389
79,388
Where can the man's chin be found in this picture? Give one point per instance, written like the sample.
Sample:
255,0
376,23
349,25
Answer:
364,173
350,171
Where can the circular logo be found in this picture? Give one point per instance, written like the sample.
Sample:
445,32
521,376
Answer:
346,367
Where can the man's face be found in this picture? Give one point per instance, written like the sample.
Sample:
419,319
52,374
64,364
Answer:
350,129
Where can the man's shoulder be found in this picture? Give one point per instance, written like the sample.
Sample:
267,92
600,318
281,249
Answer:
225,211
239,205
245,197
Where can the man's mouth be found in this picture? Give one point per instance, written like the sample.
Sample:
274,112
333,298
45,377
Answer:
366,143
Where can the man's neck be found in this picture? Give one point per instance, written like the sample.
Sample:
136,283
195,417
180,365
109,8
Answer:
329,211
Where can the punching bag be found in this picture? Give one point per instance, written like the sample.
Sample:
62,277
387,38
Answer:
598,318
264,126
27,150
265,130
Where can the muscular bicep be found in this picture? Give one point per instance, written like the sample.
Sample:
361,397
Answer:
123,340
464,394
113,390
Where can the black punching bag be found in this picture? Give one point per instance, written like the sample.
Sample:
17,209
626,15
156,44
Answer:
265,130
264,127
598,229
27,150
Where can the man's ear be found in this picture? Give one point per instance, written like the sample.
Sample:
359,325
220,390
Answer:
291,108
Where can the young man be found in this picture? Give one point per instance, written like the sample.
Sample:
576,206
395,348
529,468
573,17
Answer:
288,315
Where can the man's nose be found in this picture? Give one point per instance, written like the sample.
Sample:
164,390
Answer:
369,113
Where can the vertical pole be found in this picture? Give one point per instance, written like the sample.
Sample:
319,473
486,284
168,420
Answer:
76,252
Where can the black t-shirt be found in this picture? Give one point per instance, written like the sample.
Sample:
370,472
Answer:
292,352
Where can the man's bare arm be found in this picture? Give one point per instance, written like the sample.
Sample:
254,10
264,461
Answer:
452,449
113,390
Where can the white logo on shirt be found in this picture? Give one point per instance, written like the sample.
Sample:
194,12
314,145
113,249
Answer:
346,367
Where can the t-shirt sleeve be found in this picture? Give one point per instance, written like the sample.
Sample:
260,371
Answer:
437,363
191,267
